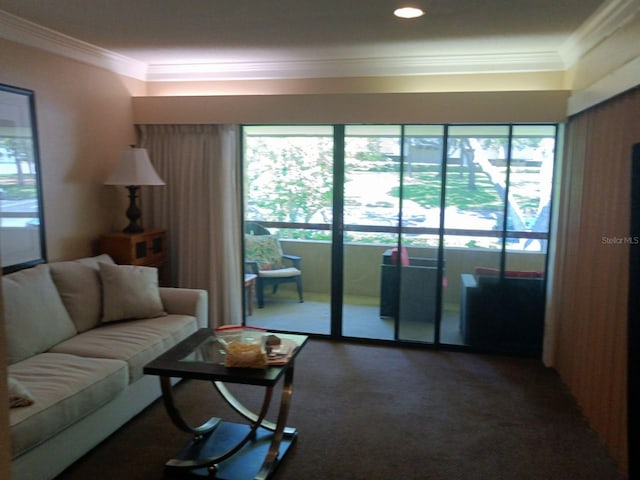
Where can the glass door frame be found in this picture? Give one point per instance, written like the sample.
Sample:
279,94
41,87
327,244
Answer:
337,237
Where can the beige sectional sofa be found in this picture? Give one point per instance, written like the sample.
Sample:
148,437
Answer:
78,336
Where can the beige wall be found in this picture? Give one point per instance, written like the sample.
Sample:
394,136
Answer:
492,82
84,119
479,107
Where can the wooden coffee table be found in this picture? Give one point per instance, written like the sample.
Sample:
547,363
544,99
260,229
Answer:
219,449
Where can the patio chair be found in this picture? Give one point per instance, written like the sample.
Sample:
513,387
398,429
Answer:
414,300
264,258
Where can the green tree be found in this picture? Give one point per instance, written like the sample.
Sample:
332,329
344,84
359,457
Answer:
289,178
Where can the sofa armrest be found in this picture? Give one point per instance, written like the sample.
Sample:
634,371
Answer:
186,301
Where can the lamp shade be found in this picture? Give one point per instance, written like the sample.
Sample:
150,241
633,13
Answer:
134,168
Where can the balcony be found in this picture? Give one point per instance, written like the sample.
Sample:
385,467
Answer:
362,288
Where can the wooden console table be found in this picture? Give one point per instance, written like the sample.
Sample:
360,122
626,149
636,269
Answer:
148,249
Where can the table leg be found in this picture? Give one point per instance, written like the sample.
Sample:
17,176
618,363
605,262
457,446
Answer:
279,429
271,460
211,462
176,417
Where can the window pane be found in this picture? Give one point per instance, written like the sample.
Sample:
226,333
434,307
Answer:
530,181
288,173
422,179
372,175
476,185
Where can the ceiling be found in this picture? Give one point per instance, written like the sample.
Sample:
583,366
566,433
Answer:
198,39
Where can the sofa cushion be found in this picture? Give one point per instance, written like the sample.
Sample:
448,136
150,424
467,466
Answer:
136,342
66,388
130,291
35,316
79,286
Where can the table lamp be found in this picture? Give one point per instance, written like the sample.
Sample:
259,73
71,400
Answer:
134,170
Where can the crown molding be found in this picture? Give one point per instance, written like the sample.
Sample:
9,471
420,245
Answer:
21,31
609,17
358,67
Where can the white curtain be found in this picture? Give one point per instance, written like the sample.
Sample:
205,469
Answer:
200,206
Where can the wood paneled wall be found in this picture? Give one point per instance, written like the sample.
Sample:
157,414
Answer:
587,320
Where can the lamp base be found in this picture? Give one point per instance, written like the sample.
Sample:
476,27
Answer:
133,228
133,212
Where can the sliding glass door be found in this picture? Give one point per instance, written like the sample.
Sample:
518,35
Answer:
371,216
288,194
423,272
397,227
495,236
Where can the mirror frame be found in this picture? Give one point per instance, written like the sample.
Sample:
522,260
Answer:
21,246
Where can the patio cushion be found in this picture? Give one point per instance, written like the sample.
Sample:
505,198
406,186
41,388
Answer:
509,273
264,249
404,256
282,272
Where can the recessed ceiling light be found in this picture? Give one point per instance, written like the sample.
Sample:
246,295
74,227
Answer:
408,12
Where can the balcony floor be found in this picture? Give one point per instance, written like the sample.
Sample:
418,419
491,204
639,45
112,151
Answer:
361,319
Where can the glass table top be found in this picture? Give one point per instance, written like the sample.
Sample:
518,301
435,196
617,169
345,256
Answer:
202,356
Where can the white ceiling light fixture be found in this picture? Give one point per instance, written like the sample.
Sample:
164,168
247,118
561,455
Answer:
408,12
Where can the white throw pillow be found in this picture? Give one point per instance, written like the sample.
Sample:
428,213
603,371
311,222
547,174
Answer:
19,396
78,283
34,314
130,291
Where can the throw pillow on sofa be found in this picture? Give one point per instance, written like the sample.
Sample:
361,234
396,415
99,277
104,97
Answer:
129,292
35,316
78,283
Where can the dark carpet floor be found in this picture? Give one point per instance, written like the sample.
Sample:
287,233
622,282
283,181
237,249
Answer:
376,412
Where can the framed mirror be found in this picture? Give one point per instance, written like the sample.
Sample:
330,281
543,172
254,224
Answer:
22,240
